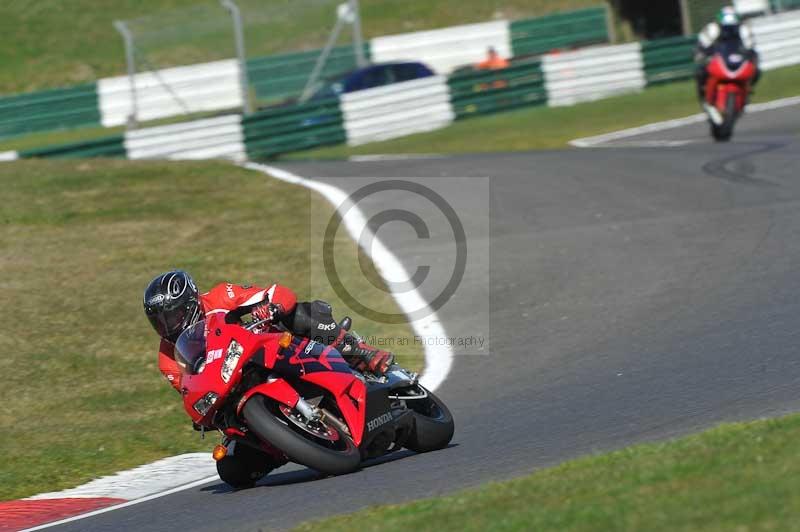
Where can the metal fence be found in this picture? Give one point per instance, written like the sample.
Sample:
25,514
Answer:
219,30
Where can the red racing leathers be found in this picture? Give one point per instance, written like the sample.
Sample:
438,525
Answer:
224,298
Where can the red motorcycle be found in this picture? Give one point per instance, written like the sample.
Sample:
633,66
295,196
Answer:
276,397
730,74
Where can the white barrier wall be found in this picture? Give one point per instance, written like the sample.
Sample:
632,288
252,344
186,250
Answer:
396,110
777,39
446,49
593,73
174,91
212,138
8,156
751,7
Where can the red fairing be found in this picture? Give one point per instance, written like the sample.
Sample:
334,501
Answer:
218,338
279,389
351,398
719,70
222,299
344,386
722,81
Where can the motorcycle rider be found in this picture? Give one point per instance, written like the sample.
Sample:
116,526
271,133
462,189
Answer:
727,28
172,303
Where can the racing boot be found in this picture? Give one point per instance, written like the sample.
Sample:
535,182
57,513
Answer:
360,355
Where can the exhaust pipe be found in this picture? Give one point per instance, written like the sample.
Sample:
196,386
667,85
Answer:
335,421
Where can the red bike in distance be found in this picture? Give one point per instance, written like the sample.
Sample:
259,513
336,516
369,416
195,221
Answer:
731,72
277,398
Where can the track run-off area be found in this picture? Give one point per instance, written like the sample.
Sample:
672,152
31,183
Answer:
635,292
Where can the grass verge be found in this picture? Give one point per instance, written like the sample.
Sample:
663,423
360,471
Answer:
553,127
41,139
741,476
81,239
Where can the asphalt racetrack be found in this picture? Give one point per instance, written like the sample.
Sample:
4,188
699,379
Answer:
636,291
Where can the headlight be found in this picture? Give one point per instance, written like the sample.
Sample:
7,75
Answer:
231,360
204,404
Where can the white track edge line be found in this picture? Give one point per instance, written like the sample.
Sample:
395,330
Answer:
438,359
124,504
595,141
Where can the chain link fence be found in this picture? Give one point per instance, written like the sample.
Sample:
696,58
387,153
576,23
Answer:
204,32
275,38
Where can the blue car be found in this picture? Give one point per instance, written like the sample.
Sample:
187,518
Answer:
372,76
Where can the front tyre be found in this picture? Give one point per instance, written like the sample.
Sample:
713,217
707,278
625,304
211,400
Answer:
336,457
724,132
721,133
434,425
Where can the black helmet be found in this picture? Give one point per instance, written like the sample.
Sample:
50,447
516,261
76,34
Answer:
172,304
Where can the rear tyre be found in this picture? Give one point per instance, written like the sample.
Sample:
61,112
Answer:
244,467
433,425
334,458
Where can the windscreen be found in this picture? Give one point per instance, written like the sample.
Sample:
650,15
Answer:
732,53
190,349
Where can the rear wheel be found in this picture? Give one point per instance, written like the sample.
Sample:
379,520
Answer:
317,445
433,424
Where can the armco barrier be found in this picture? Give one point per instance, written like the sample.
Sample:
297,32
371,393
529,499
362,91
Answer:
479,92
48,110
277,130
445,49
219,137
593,73
397,110
540,35
173,91
111,146
669,59
778,39
281,76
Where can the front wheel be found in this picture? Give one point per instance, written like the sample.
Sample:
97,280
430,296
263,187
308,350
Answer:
333,452
433,425
724,132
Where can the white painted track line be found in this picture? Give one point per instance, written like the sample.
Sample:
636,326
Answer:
190,485
598,140
438,359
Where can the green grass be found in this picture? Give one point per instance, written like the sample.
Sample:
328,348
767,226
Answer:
51,43
63,136
60,136
553,127
81,239
743,476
